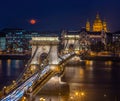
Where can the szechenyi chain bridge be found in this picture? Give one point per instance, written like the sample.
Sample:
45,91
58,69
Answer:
45,62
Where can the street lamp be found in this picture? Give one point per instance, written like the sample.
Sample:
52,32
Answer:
82,94
79,95
42,99
76,93
24,99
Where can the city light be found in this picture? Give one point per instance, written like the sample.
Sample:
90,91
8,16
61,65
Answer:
45,38
82,93
42,99
76,93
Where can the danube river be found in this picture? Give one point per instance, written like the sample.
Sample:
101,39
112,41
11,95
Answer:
87,81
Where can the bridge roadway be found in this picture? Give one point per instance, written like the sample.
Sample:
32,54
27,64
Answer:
36,81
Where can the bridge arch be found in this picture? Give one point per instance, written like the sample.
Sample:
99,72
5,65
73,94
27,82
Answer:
80,41
45,46
43,56
71,42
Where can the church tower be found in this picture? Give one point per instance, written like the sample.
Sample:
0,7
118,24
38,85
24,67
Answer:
105,26
97,25
87,26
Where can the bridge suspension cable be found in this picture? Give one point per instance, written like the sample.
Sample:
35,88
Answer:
66,44
27,65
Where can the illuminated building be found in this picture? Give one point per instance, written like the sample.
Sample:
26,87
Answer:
85,37
18,39
98,25
116,36
14,39
2,41
116,41
88,26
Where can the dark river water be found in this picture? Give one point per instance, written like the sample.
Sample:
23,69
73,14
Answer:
88,81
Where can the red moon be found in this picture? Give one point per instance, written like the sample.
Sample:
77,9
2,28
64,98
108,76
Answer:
32,21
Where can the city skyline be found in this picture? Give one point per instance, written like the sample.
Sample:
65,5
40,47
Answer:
58,15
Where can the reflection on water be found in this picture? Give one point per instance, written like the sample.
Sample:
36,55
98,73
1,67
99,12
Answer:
8,67
88,81
10,70
94,81
89,63
109,63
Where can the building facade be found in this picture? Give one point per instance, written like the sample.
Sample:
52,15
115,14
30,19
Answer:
116,36
84,39
15,39
97,26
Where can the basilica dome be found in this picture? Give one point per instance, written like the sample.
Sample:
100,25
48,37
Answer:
97,25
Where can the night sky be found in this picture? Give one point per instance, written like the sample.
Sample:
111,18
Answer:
56,15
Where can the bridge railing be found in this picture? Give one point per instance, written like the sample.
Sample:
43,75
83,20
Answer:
12,92
41,82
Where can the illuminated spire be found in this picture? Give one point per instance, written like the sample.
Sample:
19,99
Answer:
105,26
87,25
97,16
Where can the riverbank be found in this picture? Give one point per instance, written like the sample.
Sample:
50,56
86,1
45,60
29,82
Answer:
87,57
15,56
101,58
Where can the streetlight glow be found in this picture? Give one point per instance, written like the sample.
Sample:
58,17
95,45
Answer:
82,93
